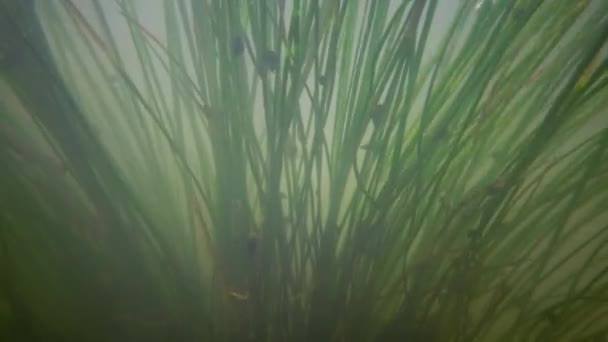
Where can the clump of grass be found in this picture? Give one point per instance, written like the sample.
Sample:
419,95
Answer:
305,171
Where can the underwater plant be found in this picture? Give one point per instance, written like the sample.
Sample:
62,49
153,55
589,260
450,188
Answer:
304,170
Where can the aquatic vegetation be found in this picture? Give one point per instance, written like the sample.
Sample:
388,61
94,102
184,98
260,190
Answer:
304,171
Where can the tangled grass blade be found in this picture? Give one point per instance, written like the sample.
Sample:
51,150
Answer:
423,170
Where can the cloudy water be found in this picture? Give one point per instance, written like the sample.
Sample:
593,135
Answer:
299,170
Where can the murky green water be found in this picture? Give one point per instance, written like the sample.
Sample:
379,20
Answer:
303,170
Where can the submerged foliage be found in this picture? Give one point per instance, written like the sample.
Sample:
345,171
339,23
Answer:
304,171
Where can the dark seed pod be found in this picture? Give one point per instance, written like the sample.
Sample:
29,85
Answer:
252,244
270,60
441,134
237,46
378,114
322,80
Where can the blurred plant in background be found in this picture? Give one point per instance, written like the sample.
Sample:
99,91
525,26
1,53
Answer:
304,171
